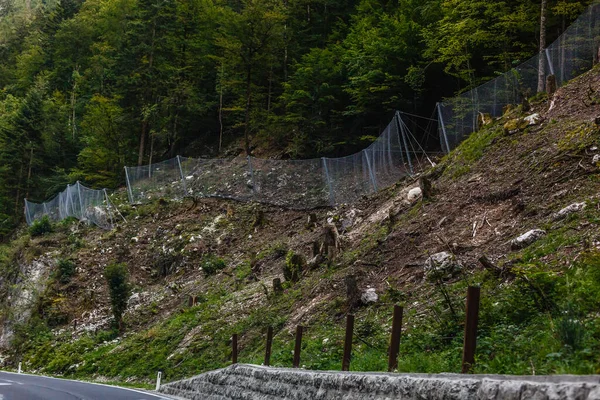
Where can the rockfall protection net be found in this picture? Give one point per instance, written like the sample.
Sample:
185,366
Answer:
300,184
572,54
76,201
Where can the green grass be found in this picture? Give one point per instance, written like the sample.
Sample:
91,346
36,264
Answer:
471,150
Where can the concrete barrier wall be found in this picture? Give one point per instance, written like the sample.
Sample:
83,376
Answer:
251,382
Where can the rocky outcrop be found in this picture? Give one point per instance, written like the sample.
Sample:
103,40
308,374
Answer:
262,383
31,281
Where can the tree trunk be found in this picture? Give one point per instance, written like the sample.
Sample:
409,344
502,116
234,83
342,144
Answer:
29,171
142,143
17,198
542,58
221,107
247,119
270,91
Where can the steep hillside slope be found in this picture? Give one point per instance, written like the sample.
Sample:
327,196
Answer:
539,299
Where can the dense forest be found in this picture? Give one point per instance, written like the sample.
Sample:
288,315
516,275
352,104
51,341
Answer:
88,86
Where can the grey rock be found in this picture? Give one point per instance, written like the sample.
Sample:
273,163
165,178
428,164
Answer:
527,238
573,208
441,265
241,381
369,296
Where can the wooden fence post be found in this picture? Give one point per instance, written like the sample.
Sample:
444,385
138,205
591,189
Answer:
348,343
298,346
472,318
268,347
234,348
395,339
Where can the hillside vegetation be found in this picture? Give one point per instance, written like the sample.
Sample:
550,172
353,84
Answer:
539,310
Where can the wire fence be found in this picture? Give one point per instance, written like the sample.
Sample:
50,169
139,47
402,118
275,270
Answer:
572,54
299,184
75,201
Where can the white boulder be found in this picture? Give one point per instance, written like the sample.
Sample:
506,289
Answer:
533,119
573,208
414,194
527,238
369,296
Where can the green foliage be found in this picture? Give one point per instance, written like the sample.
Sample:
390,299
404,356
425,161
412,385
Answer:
212,264
470,151
41,226
116,276
65,269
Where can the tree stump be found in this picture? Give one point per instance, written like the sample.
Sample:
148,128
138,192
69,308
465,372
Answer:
330,246
277,288
550,85
426,187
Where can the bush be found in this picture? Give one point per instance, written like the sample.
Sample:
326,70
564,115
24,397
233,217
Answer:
569,328
212,264
116,276
65,270
40,227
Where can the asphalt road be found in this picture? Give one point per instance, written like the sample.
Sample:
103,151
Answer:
32,387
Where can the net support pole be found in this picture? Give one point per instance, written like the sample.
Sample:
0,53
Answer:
80,199
405,141
129,191
27,218
397,121
549,61
371,174
108,208
442,129
251,176
328,181
182,177
45,209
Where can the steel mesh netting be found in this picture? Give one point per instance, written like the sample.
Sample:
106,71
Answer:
230,179
291,183
148,182
573,53
376,167
76,201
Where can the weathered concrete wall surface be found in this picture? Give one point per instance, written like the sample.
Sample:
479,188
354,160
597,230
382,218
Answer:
250,382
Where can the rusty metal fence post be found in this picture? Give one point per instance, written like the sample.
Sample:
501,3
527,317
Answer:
348,343
234,348
472,318
298,346
395,339
268,347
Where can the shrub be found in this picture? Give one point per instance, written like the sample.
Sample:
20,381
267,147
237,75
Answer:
570,329
65,270
116,276
40,227
212,264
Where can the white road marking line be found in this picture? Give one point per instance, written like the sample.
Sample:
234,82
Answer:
5,384
151,395
9,381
